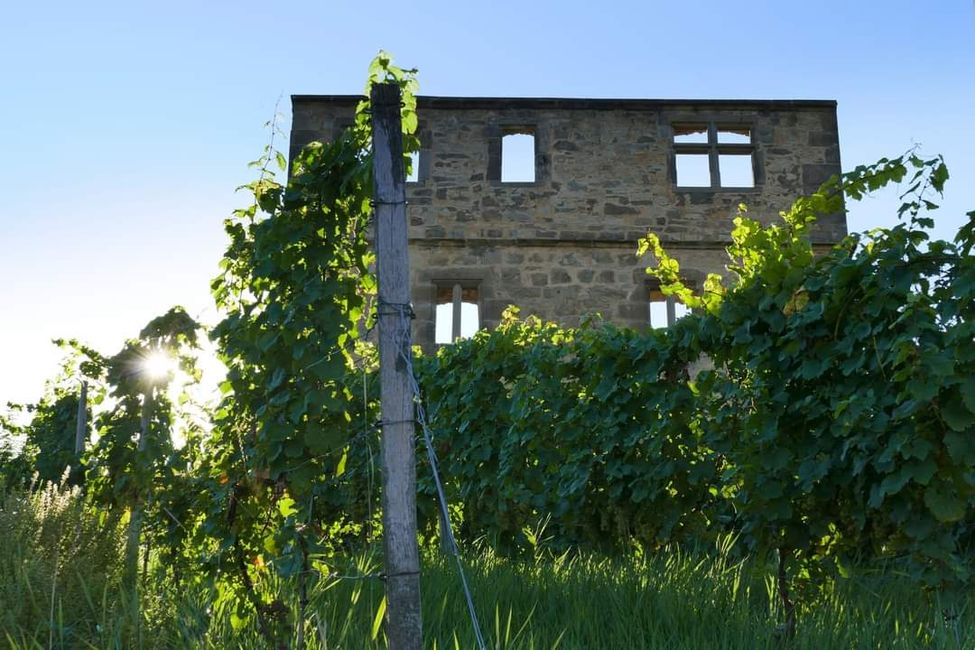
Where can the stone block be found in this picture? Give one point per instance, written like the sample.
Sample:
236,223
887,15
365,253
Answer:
559,276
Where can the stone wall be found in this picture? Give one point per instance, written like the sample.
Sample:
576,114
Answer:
565,245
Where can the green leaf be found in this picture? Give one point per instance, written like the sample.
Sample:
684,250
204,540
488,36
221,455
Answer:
268,339
920,527
328,369
967,388
409,122
939,176
943,503
922,391
323,440
276,378
940,364
286,506
919,472
294,449
961,447
813,367
377,621
956,415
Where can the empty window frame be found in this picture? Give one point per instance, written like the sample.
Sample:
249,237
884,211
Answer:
518,155
414,172
457,312
663,311
714,155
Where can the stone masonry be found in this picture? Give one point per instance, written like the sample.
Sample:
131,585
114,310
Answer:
606,172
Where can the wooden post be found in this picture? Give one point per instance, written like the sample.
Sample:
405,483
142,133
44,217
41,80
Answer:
458,298
403,623
82,428
135,518
144,419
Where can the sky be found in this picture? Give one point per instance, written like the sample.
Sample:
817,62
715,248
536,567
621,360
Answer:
126,126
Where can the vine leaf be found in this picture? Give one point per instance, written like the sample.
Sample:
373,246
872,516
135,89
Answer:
943,503
956,414
967,388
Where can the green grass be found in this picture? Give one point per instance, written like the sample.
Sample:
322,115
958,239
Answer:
61,570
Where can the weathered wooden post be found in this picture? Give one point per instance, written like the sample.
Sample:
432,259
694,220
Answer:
144,418
456,299
81,430
135,516
403,622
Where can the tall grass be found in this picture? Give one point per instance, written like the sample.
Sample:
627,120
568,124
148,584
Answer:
61,572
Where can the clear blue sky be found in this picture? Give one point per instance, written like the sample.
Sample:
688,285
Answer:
126,126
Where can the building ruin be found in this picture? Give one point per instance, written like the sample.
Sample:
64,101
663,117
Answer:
553,228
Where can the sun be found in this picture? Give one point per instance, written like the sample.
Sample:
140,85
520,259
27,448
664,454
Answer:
159,365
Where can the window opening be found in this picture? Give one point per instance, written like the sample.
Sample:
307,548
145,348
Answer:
693,170
664,310
736,170
457,313
734,135
518,157
691,133
714,156
414,175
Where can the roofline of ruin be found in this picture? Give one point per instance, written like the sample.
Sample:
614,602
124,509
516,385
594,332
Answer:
565,103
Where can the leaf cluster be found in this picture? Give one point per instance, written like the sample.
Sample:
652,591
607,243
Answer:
592,429
296,288
843,399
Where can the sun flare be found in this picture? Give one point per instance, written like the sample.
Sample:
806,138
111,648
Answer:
159,365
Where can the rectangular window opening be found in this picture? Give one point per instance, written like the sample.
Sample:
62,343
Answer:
734,135
413,173
691,133
518,157
736,170
664,310
457,313
693,170
714,156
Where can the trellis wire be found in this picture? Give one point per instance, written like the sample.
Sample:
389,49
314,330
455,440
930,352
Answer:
404,341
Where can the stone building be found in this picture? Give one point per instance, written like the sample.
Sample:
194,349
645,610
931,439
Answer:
557,237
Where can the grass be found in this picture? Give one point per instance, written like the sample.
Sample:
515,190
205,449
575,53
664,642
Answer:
61,571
